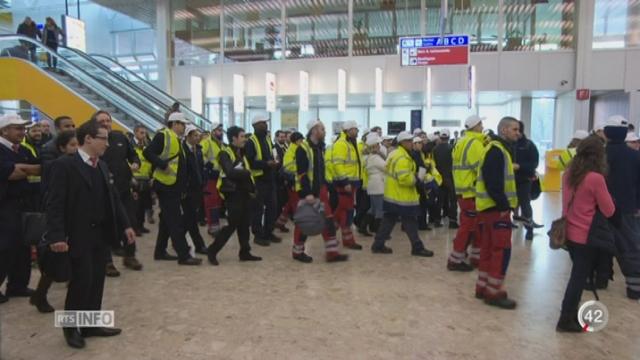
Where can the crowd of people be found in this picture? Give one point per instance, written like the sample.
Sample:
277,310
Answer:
96,187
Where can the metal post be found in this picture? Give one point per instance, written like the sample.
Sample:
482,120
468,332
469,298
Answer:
423,17
223,33
283,33
501,25
66,7
78,5
350,27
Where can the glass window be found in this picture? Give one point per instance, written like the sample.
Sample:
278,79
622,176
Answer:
196,31
616,24
377,24
542,125
539,25
478,19
252,30
317,29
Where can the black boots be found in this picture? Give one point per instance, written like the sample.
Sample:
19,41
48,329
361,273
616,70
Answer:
568,322
39,297
364,224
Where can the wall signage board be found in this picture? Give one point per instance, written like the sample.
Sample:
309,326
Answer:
434,50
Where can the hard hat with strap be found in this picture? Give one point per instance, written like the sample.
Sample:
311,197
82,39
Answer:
483,200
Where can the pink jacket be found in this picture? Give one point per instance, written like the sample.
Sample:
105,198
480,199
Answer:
591,193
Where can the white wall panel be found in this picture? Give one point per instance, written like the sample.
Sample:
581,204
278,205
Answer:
608,70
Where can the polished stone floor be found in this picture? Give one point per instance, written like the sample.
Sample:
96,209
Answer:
372,307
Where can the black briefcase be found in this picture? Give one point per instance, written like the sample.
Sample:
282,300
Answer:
56,265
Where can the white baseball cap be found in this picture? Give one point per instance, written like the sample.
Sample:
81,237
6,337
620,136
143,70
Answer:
313,123
387,137
631,137
259,118
433,137
12,119
417,139
580,134
417,131
445,133
616,121
404,136
373,139
349,125
473,120
179,117
216,125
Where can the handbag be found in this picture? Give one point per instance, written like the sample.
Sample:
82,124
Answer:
558,232
34,225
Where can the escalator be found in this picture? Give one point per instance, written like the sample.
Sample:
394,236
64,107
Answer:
79,87
148,88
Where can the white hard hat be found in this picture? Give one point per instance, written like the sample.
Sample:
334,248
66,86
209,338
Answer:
349,125
12,119
190,128
373,139
473,120
313,123
417,131
260,118
179,117
417,139
616,121
404,136
433,137
445,133
216,125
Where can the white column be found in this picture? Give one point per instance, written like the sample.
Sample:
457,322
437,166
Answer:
634,108
163,36
585,13
525,114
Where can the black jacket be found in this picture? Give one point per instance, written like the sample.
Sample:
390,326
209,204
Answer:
152,154
526,155
118,156
623,179
235,179
493,175
195,167
302,167
442,155
15,195
68,209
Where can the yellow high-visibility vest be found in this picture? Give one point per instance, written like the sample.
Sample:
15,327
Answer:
307,149
483,200
289,160
346,160
400,179
210,152
171,153
31,179
232,155
144,172
256,143
467,154
565,158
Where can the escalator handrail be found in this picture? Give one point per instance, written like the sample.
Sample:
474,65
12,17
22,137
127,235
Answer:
96,85
133,88
183,108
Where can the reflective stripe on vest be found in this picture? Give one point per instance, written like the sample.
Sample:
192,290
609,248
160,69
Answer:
351,161
171,153
232,155
31,178
256,143
289,161
307,149
395,193
144,172
464,172
483,200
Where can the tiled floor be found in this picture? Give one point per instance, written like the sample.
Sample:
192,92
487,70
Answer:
372,307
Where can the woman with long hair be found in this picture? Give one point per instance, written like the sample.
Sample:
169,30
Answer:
52,35
584,191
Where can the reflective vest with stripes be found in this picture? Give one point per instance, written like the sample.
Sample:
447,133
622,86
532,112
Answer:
400,180
328,164
31,179
289,160
256,144
565,158
466,156
232,155
346,160
307,149
171,153
483,200
144,172
210,152
432,171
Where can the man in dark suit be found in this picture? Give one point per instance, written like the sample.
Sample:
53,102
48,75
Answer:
84,217
118,156
195,184
16,195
